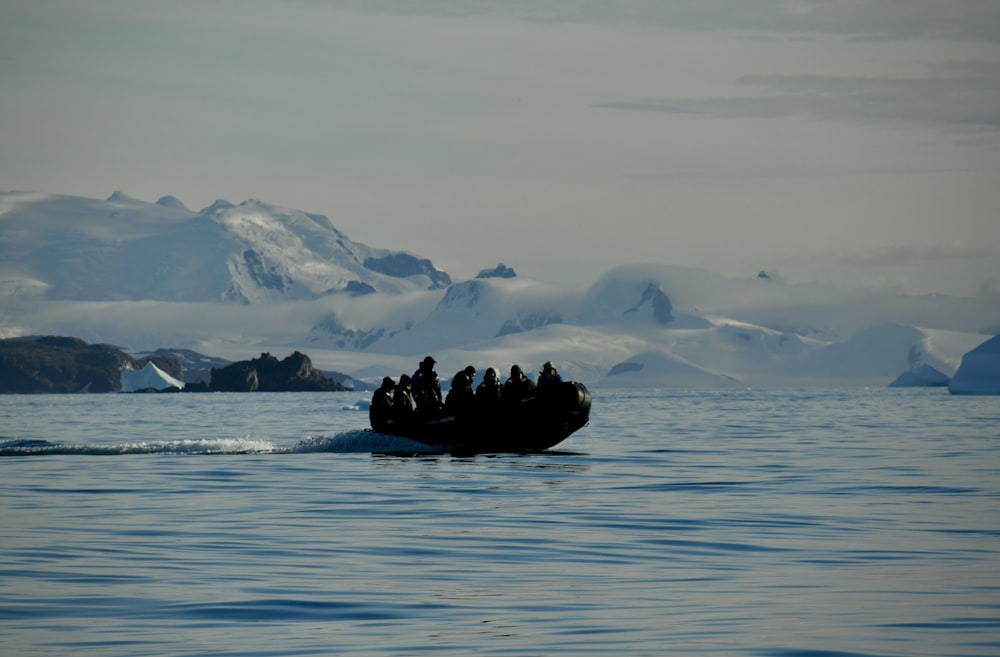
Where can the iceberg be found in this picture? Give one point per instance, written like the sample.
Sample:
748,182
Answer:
655,369
148,377
922,376
979,373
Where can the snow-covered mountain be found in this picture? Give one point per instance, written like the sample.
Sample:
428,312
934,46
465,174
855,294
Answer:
236,280
125,249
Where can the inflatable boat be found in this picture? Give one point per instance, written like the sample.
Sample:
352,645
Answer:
532,424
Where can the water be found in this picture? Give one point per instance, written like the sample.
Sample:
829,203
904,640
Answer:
823,523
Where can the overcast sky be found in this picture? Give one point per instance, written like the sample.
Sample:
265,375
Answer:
849,140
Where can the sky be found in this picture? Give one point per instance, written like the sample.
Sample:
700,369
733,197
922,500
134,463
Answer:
851,141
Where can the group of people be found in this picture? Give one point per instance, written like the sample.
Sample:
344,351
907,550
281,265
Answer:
418,397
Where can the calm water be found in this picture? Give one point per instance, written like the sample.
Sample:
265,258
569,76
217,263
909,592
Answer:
825,523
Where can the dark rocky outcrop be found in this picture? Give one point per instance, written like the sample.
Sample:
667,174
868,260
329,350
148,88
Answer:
500,271
53,364
262,273
528,322
267,374
358,288
404,265
660,302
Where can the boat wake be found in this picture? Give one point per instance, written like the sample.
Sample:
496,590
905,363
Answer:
349,442
245,445
364,441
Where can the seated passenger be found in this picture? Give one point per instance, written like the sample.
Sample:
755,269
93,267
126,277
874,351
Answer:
402,403
426,390
461,397
518,386
548,378
380,411
488,392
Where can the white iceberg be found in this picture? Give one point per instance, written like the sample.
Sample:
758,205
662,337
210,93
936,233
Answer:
979,373
148,377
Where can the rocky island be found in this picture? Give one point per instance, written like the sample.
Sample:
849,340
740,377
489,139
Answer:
58,365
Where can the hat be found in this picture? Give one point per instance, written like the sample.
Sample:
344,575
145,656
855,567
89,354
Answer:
515,368
428,361
404,379
470,370
548,365
387,381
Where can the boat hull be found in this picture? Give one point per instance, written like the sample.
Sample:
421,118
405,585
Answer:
534,424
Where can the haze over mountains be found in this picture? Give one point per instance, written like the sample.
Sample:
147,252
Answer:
235,280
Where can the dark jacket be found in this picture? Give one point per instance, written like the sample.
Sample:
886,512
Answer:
380,411
460,397
488,396
427,392
402,405
514,390
488,392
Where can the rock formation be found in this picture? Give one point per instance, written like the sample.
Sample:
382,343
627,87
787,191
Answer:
267,374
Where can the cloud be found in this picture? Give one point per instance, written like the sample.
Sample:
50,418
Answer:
765,173
958,20
961,269
964,95
920,254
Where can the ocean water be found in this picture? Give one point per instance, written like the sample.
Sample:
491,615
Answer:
814,522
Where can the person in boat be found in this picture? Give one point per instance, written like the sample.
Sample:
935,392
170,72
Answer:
489,391
426,389
402,402
517,387
461,397
548,378
380,411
